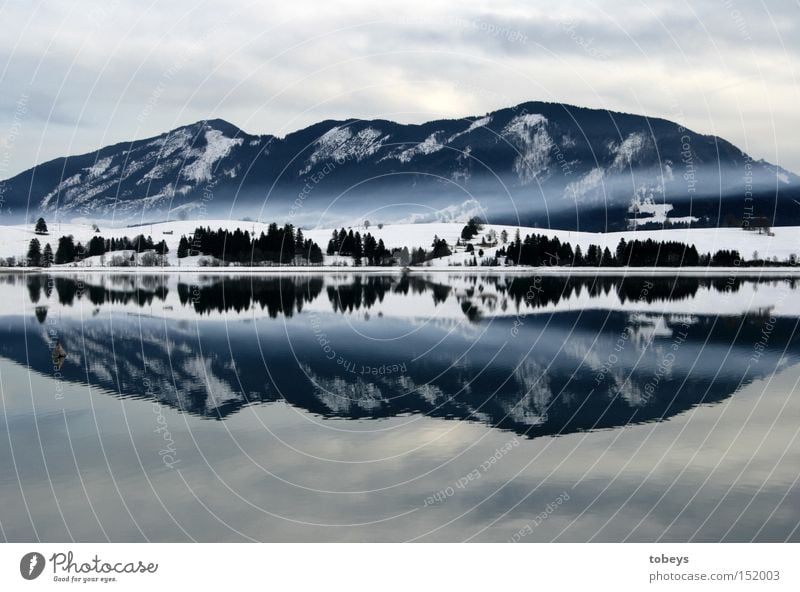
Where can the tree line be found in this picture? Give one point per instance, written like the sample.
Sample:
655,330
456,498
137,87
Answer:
540,250
285,245
68,251
349,244
279,245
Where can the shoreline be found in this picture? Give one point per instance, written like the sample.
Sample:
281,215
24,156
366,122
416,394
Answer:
769,272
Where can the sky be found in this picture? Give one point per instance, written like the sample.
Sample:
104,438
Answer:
76,75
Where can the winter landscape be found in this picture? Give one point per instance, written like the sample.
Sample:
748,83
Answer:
760,252
588,178
415,273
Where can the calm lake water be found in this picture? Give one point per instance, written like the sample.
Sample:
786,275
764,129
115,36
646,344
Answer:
440,407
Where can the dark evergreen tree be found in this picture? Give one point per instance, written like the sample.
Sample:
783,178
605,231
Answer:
333,244
34,256
593,255
418,256
97,246
382,254
440,249
47,256
358,248
65,253
370,246
621,252
287,244
472,228
41,226
726,258
578,260
183,248
314,254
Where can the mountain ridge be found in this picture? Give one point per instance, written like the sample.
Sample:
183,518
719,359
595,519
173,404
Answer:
543,163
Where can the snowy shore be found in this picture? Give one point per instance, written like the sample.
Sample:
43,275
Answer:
780,244
749,272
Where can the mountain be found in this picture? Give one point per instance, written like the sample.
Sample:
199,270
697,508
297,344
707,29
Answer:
538,164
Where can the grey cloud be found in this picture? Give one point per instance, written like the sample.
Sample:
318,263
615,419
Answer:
717,66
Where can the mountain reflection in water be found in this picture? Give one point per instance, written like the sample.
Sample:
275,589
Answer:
535,355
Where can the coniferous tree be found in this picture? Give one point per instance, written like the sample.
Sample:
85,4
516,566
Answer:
370,246
725,258
34,256
287,244
472,228
41,226
47,256
65,253
418,256
578,256
592,255
622,252
183,248
358,248
607,260
97,246
315,254
333,243
348,244
565,254
382,254
440,249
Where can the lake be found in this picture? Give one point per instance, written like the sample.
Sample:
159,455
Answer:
420,407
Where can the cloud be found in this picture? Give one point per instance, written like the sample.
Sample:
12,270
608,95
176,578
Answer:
101,72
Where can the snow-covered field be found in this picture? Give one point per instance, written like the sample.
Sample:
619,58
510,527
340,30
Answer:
781,244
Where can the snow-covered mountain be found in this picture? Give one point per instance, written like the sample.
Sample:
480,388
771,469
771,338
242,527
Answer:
542,164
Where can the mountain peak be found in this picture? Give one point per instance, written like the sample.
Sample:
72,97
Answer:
219,124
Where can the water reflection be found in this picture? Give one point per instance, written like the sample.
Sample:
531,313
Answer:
273,295
535,355
350,406
287,295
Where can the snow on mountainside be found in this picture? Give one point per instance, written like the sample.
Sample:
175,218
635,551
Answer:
529,135
340,144
541,164
429,145
217,147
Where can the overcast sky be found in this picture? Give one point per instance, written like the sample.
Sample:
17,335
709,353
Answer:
80,74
